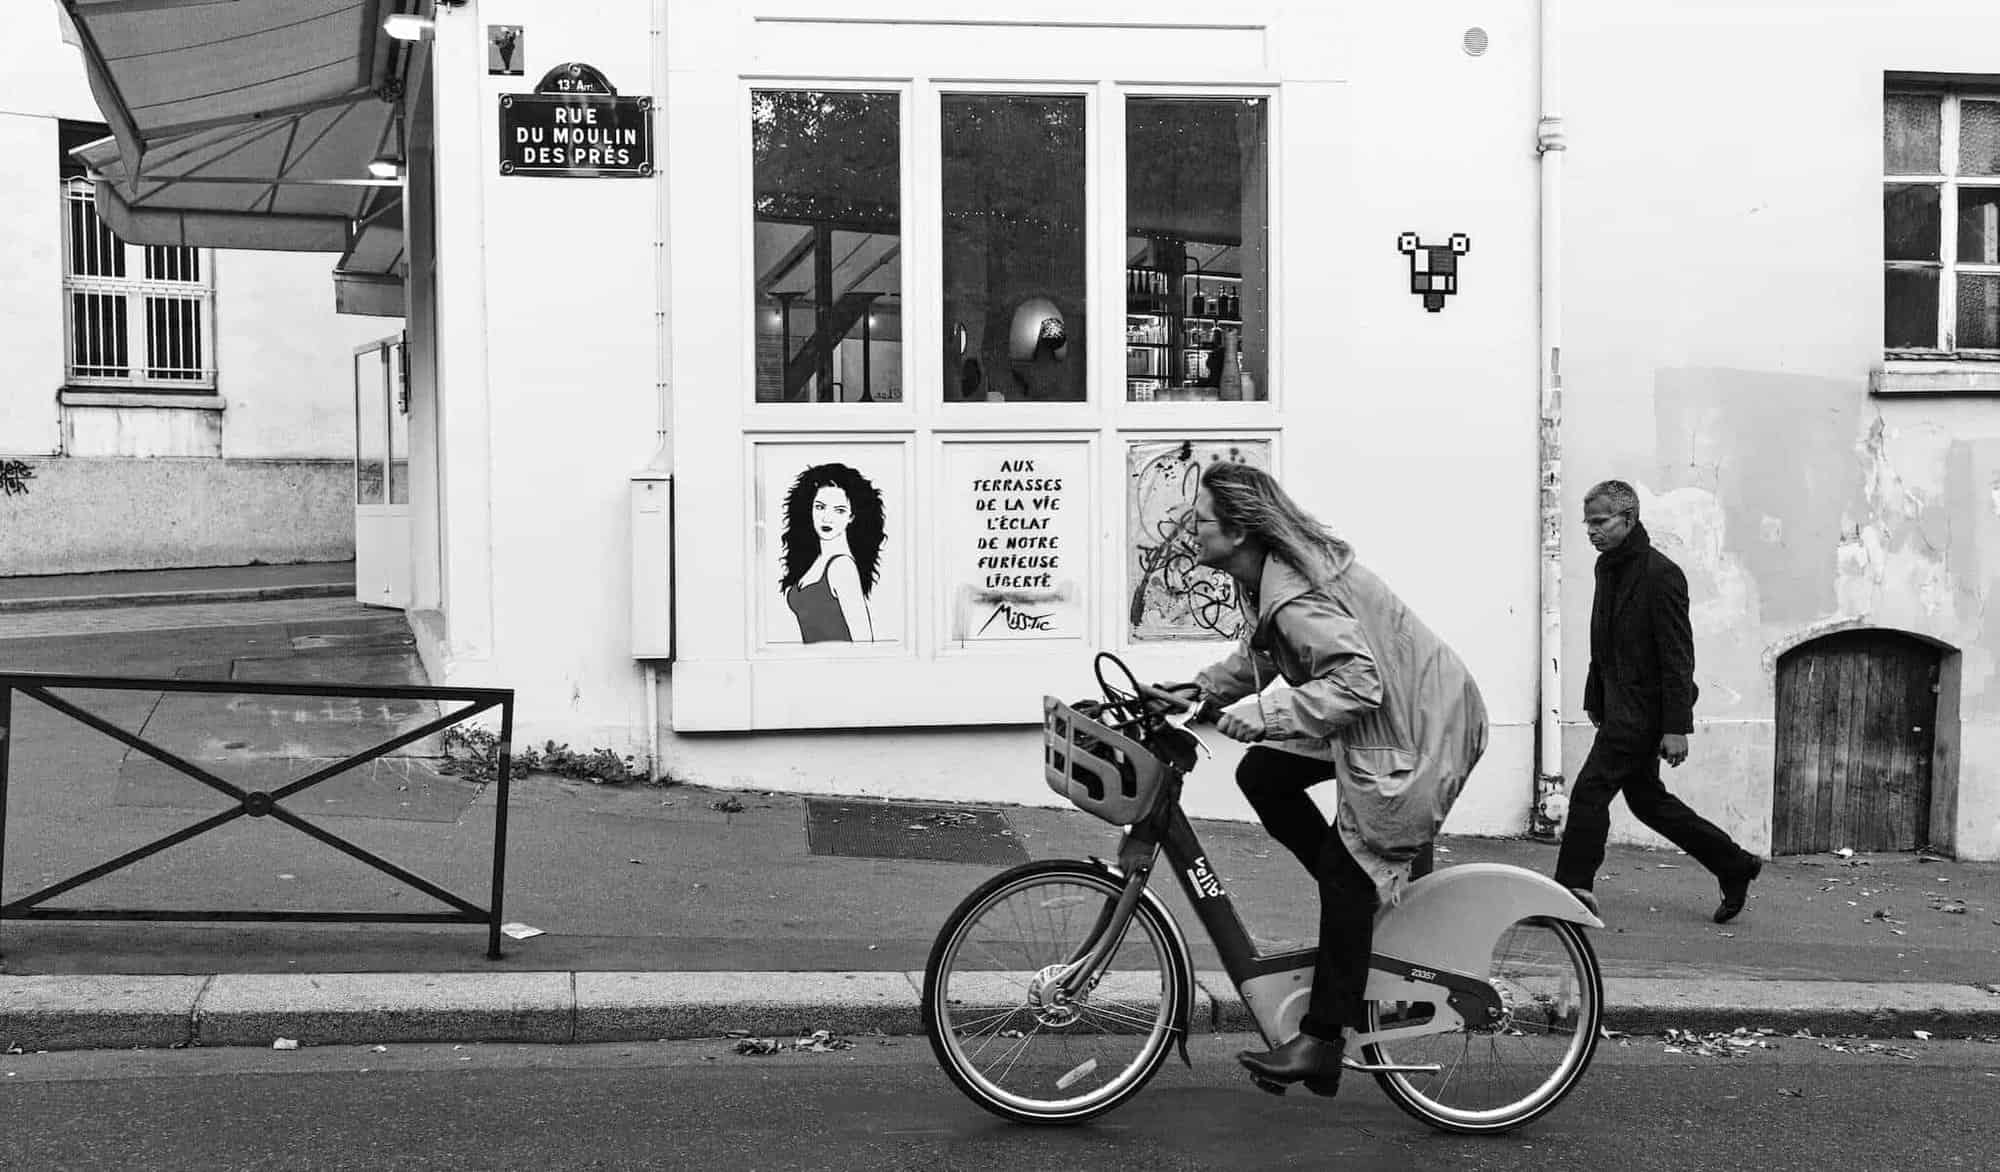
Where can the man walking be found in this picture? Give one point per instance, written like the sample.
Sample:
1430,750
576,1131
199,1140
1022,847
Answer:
1639,696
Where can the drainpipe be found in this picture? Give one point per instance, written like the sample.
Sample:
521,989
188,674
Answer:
662,464
1551,792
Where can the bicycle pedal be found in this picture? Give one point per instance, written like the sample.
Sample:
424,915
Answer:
1271,1085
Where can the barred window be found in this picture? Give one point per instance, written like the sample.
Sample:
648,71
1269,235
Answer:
138,316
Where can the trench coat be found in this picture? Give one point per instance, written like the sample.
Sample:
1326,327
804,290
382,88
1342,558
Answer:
1372,690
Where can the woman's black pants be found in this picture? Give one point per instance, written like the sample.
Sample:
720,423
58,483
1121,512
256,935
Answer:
1275,783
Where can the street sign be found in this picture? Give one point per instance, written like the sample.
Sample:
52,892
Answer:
576,126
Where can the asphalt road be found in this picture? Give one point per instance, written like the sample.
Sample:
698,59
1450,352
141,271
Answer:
884,1105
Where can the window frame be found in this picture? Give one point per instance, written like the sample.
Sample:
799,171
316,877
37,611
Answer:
922,409
135,288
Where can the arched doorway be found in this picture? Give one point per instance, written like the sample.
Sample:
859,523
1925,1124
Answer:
1856,738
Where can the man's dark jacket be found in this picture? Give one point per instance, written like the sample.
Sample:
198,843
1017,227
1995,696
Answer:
1641,681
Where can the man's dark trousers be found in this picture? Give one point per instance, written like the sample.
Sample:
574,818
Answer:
1633,767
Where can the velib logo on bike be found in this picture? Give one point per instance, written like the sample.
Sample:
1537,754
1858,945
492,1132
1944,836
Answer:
1204,880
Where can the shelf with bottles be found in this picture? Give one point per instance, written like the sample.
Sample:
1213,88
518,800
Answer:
1148,329
1212,296
1148,290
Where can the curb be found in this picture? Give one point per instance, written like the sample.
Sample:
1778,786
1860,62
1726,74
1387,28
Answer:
253,1009
177,597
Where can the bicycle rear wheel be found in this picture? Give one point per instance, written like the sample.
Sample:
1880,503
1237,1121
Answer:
1497,1077
1003,1033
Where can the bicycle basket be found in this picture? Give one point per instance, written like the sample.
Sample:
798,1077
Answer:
1097,768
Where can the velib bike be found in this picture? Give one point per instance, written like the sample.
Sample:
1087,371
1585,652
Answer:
1057,989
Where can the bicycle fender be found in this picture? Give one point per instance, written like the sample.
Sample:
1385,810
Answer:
1180,945
1451,918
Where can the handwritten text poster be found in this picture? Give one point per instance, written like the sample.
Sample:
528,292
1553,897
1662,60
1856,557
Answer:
1016,520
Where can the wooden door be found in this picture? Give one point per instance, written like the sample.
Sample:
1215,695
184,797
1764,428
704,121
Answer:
1856,711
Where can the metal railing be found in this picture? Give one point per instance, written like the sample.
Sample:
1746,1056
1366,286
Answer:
260,803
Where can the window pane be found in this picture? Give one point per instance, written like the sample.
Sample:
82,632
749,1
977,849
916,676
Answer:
1910,129
371,427
1014,324
1910,309
1910,222
1978,312
1979,225
1979,138
171,263
97,335
1196,211
827,204
173,338
93,250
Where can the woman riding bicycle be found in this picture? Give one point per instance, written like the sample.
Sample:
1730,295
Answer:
1375,700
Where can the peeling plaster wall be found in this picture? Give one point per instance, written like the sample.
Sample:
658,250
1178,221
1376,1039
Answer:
1724,312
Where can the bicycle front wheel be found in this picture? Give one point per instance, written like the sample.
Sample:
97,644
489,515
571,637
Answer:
1004,1033
1497,1077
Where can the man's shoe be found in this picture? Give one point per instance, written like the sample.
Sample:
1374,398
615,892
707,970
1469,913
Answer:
1588,899
1305,1059
1735,890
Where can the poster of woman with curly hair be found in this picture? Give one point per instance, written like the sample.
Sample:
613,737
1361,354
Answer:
831,524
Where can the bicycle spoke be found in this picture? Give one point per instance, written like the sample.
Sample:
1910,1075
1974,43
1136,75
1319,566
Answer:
1495,1077
1026,1051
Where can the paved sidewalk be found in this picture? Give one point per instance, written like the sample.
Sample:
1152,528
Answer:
257,583
671,912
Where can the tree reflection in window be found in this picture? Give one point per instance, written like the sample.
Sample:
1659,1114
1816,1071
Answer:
1013,235
827,206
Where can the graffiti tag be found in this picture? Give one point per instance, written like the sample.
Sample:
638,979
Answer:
14,477
1017,620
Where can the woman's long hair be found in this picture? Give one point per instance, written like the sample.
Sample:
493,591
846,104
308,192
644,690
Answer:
864,531
1250,501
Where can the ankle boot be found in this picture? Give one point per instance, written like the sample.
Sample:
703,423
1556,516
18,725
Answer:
1305,1059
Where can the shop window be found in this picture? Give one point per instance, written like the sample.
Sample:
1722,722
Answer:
1014,240
827,206
1197,256
1941,224
138,317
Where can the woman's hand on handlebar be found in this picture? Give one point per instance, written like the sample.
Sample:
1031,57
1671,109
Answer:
1238,729
1170,699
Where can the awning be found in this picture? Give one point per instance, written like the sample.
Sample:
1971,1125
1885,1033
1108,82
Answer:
368,281
242,123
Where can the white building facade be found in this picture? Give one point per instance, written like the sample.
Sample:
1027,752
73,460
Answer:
709,299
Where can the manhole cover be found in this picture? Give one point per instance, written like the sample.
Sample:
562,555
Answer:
911,830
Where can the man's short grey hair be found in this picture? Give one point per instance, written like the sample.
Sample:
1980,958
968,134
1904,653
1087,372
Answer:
1616,493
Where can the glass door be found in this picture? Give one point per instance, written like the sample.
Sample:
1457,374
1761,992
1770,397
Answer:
381,476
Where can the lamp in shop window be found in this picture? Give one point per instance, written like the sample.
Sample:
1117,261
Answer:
1039,328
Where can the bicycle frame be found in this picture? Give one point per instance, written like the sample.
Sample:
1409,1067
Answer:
1449,920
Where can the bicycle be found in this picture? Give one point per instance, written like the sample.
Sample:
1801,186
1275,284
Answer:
1057,988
